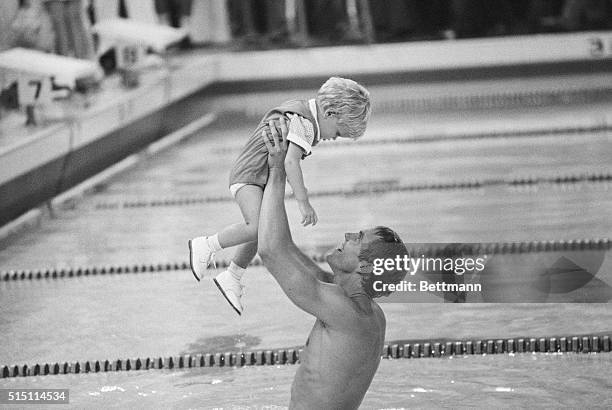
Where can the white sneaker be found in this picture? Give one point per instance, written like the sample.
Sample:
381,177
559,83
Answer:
230,288
200,256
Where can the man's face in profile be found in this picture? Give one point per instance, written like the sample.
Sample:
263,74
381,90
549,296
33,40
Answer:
345,257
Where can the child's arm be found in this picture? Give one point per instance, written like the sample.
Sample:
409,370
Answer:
296,180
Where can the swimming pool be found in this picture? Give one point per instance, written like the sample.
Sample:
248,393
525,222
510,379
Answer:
165,313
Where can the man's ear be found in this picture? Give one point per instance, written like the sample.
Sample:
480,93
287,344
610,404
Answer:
330,113
365,267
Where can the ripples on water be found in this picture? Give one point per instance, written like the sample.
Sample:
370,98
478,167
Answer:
493,381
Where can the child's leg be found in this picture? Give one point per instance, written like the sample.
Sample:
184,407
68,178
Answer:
245,254
202,248
249,199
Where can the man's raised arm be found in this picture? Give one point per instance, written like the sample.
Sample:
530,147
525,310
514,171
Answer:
291,269
273,232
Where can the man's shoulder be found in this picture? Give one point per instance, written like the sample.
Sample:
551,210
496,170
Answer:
378,313
362,310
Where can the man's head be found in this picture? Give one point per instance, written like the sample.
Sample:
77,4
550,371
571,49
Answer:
357,252
345,107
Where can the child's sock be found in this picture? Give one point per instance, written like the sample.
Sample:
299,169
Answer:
213,243
236,271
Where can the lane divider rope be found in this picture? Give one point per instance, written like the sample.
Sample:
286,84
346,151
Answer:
441,250
480,101
376,187
498,100
418,139
393,350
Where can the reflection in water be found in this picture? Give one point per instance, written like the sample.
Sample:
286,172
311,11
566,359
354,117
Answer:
220,344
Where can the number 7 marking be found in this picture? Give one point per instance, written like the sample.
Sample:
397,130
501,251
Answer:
38,85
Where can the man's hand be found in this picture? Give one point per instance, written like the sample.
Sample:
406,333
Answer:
277,146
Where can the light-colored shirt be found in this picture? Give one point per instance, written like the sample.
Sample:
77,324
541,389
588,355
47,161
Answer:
251,166
301,130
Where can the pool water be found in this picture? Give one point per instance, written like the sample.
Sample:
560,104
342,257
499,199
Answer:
167,313
493,381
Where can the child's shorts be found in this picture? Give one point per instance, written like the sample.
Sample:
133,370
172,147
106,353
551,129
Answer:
235,187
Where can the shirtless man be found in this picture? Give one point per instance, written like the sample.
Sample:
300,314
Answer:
344,348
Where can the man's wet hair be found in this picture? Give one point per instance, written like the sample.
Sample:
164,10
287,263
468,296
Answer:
388,245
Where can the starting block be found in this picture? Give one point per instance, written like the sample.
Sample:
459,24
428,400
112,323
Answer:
132,39
38,74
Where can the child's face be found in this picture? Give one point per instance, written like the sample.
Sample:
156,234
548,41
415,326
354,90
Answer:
329,127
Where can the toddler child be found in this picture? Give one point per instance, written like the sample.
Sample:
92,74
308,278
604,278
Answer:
340,109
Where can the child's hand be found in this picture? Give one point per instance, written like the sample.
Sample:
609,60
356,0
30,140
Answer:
309,216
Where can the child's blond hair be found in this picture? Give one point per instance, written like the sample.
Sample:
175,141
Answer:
350,101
